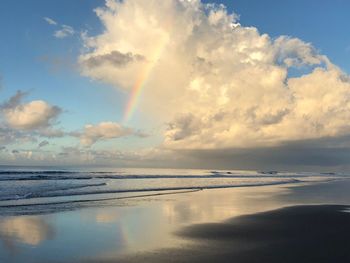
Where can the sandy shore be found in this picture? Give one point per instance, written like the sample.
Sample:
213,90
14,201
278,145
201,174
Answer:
317,233
289,223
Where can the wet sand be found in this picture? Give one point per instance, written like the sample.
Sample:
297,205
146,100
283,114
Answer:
294,234
296,223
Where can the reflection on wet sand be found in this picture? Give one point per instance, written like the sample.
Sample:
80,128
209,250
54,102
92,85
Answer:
151,225
106,217
31,230
313,233
141,225
218,239
217,205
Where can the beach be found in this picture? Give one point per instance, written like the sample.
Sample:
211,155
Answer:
306,222
183,131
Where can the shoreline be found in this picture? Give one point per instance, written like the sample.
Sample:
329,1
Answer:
147,227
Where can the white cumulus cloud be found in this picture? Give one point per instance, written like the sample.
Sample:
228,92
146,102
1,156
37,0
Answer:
215,83
33,115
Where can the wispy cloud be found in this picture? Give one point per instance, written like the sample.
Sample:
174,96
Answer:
50,21
65,31
43,143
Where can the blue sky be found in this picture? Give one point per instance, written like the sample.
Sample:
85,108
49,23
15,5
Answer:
323,23
30,46
33,59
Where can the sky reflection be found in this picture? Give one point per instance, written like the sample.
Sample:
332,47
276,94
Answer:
143,224
31,230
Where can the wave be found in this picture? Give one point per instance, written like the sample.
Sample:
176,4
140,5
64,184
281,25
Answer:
47,193
42,176
54,193
98,199
9,172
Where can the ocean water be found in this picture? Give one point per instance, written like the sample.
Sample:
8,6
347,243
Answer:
26,190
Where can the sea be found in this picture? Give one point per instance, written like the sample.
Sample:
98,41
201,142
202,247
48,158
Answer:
35,190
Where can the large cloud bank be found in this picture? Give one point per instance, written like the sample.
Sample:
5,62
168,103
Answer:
215,83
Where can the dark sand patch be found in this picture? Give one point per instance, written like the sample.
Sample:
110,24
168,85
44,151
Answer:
313,233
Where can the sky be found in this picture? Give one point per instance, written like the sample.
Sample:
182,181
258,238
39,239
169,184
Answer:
241,84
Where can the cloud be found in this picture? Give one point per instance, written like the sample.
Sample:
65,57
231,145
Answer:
114,58
295,52
51,133
102,131
64,32
31,121
33,115
50,21
215,83
14,101
10,136
29,230
148,157
43,143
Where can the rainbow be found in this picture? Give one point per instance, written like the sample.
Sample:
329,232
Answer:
142,78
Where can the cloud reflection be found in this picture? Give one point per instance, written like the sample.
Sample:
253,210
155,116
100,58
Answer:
29,230
106,217
206,207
